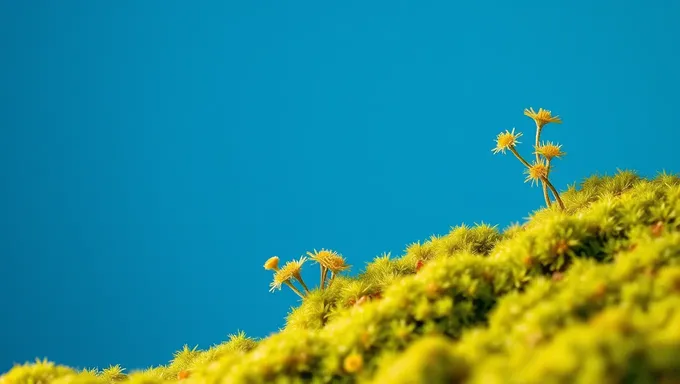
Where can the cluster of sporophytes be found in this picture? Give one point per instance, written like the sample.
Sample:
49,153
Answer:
589,294
329,262
538,171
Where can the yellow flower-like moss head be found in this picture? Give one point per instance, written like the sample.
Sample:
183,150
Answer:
329,259
353,363
542,117
506,140
272,263
537,171
550,150
289,271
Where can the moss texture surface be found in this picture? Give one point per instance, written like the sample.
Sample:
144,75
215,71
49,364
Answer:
589,293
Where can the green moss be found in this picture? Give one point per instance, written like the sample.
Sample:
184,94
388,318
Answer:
590,293
429,360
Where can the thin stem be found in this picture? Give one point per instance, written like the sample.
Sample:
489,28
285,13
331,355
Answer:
288,283
299,278
517,155
323,277
543,179
545,187
545,194
538,138
332,278
554,191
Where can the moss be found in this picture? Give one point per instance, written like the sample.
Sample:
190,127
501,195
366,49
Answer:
429,360
590,293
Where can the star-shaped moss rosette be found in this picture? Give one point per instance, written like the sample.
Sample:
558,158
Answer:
506,140
542,117
536,172
539,170
549,150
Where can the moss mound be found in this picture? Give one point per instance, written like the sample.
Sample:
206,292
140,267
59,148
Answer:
587,294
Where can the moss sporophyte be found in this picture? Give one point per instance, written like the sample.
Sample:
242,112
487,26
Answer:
329,262
291,270
538,170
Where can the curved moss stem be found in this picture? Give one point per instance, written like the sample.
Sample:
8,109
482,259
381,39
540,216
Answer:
545,187
538,137
288,283
322,281
518,156
543,179
299,278
554,191
332,278
545,194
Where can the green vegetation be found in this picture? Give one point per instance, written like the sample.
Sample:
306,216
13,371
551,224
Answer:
585,292
589,294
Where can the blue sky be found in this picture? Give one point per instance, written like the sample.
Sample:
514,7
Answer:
155,153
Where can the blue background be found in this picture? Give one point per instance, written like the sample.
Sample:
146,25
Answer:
155,153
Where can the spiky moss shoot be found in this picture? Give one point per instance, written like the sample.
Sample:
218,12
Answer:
384,271
311,314
506,140
623,180
272,264
536,172
483,237
422,251
42,371
353,363
667,179
113,373
429,360
550,150
354,290
154,372
478,239
214,371
415,252
542,117
512,230
182,360
237,344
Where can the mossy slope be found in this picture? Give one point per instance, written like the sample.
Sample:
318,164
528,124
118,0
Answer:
590,294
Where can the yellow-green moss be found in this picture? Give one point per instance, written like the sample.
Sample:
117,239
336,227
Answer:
590,293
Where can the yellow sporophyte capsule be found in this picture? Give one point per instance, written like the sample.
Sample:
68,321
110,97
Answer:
272,263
